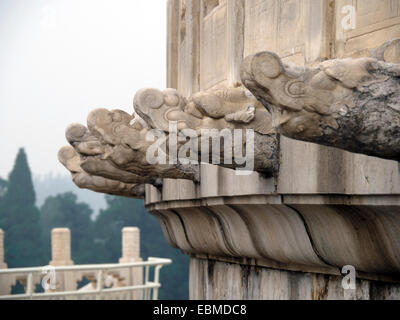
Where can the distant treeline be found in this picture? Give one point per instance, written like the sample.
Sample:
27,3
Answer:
27,229
51,185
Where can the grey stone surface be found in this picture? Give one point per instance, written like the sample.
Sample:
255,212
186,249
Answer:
216,280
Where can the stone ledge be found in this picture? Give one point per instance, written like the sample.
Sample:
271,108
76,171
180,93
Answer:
315,237
211,279
262,263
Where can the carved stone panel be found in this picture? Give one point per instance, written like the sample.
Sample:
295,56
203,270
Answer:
295,29
260,26
291,29
213,44
172,43
188,47
373,22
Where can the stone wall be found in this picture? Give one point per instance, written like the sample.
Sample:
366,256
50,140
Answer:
207,41
212,279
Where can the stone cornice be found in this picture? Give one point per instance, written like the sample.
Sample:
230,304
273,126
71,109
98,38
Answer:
306,237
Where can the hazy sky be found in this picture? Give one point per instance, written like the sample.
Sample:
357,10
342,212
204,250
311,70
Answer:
59,59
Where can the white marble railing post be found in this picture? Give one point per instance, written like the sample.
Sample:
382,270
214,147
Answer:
130,245
2,263
6,281
61,247
131,253
61,256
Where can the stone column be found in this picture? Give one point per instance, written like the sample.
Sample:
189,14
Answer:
61,256
61,247
4,287
131,253
2,263
130,245
6,281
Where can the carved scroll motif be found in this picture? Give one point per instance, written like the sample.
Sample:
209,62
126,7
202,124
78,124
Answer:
352,104
115,146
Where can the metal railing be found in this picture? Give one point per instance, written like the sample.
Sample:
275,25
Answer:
148,288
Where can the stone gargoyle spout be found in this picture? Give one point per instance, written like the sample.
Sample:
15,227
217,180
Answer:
352,104
167,136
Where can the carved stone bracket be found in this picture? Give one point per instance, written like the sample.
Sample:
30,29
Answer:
111,154
73,162
352,104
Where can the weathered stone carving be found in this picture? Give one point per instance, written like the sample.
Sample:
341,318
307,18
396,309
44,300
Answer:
352,104
115,145
221,108
72,161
